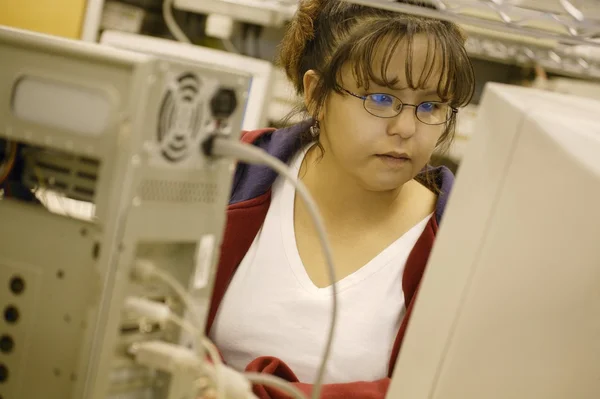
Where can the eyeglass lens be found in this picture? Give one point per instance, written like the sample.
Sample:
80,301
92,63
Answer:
388,106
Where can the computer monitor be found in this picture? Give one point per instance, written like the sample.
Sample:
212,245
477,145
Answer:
261,72
509,306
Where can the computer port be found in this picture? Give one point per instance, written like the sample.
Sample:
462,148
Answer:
11,314
7,344
17,285
3,373
223,103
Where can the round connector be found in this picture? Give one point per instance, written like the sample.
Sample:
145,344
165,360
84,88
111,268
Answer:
3,373
17,285
11,314
7,344
223,103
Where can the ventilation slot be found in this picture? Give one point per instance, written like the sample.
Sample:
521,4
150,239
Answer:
72,176
173,191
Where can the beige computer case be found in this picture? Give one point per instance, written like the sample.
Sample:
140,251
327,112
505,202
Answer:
154,196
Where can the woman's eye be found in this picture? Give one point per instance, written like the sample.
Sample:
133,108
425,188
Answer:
382,99
427,107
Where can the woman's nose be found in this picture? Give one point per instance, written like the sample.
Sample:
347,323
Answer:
405,123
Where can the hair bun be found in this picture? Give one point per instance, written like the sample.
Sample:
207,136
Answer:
300,31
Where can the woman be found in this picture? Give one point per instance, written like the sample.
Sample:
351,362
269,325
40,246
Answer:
382,90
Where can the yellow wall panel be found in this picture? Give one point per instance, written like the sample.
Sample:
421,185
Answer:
55,17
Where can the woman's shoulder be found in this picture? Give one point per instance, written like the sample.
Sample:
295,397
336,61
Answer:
437,182
251,181
276,141
252,136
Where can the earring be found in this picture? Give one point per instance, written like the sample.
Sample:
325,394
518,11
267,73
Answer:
315,130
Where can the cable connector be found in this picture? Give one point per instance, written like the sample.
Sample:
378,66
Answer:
219,26
152,310
143,270
236,384
217,145
166,357
208,145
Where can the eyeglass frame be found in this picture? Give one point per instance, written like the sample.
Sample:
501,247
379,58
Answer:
454,110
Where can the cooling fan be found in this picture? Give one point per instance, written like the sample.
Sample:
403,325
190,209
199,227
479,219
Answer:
180,117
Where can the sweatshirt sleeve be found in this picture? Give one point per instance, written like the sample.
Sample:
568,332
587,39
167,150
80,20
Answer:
351,390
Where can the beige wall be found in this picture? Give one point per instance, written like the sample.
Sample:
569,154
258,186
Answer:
57,17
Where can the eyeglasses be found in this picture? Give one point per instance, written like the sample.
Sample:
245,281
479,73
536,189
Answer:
385,105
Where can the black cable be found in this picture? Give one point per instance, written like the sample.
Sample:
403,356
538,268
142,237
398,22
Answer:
244,38
257,30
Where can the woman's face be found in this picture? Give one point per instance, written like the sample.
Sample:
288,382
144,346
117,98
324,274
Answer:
381,154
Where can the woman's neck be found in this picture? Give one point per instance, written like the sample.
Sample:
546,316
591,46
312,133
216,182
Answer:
341,199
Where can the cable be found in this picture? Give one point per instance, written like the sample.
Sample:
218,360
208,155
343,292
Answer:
229,46
7,166
245,30
145,270
249,154
209,347
179,34
173,358
161,313
166,356
218,146
257,29
176,31
157,353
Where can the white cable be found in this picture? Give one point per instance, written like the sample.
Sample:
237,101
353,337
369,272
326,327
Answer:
176,31
153,311
161,313
250,154
211,349
173,358
275,382
166,356
229,46
144,270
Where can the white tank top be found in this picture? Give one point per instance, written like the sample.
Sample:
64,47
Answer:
272,308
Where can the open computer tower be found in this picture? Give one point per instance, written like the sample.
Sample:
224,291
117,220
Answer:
102,165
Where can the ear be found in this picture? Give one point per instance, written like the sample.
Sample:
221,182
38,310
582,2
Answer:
309,81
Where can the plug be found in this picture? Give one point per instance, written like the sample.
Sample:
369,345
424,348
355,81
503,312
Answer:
143,270
219,26
167,357
153,311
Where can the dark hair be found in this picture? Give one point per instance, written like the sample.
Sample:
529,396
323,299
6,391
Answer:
325,35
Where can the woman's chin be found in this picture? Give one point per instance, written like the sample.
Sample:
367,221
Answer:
385,183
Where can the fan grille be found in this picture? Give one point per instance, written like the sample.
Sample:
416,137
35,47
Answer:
180,117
